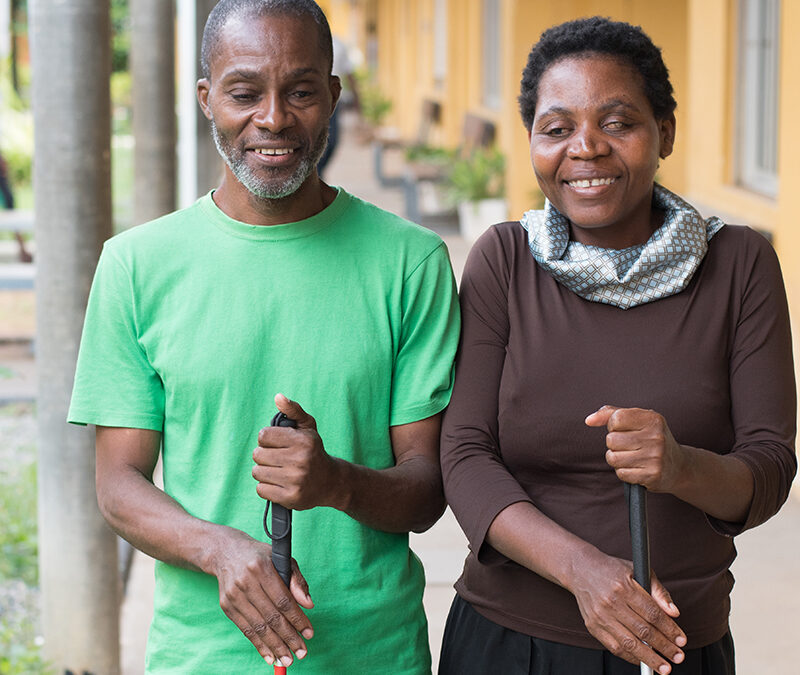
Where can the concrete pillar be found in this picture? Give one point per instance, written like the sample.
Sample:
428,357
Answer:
209,163
152,62
70,53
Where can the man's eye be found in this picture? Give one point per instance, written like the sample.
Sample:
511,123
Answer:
557,132
616,125
301,93
243,97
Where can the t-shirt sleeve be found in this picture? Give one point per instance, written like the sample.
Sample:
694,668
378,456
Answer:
115,383
423,367
477,483
763,394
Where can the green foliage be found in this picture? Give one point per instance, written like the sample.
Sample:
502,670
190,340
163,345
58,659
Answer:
18,540
20,640
477,175
20,645
120,35
374,105
430,154
16,134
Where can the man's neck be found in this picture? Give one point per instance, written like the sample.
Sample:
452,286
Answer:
239,203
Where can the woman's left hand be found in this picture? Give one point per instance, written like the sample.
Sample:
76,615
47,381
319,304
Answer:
640,447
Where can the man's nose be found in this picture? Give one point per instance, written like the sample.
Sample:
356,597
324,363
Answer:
588,142
273,114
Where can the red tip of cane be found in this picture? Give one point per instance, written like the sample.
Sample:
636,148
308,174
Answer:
280,670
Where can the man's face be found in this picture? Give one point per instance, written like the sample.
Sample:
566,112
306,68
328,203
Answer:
269,101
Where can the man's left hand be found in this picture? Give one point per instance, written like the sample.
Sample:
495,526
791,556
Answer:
292,467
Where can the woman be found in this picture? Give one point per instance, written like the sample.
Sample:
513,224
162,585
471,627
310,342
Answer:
614,336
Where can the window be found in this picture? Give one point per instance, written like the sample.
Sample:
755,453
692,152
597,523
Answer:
757,96
492,79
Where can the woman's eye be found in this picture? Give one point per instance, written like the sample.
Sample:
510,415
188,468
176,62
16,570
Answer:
616,125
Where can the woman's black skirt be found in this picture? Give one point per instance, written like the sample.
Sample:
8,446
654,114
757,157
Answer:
473,644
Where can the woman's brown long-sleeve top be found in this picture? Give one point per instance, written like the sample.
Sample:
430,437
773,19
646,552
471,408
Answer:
535,359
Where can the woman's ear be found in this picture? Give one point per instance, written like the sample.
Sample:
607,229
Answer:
667,131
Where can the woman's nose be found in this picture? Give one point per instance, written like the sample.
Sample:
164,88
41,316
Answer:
587,143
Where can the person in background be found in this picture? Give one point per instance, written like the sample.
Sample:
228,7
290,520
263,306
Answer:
614,336
275,290
342,67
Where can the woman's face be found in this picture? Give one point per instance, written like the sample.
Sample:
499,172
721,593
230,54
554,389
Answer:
595,145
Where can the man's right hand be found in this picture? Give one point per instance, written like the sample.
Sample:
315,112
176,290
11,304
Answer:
253,596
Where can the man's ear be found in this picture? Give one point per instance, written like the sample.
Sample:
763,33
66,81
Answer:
667,131
203,87
336,91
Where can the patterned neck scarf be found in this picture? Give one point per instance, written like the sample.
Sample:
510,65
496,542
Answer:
661,267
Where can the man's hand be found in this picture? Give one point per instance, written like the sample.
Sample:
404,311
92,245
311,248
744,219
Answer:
253,596
641,448
251,593
628,622
292,467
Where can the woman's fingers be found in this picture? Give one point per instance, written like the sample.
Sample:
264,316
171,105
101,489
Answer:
626,619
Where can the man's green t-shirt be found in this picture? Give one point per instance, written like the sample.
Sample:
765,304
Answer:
195,321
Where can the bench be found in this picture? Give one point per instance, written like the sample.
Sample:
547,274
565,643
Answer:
388,138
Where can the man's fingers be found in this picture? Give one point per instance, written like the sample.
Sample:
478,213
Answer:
294,411
299,588
250,633
284,617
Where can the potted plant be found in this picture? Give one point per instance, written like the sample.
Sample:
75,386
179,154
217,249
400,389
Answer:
477,185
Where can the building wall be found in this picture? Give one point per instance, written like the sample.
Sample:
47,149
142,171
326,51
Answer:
697,38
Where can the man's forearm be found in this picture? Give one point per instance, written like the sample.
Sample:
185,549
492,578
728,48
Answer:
157,525
404,498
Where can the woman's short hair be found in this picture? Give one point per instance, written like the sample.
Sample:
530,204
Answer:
597,35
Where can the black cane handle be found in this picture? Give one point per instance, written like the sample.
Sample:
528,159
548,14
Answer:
281,533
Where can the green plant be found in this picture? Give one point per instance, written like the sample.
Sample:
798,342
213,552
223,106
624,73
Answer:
20,638
18,542
431,154
20,642
16,143
477,175
374,105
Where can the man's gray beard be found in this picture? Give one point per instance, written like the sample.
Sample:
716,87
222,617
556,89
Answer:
263,187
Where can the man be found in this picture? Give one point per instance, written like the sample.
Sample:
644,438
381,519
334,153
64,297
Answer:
203,321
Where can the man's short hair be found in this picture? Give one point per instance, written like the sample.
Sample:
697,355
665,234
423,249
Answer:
604,37
225,10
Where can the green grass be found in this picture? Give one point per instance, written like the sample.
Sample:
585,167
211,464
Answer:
20,639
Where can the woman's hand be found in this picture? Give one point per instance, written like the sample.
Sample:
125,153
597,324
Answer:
641,448
629,622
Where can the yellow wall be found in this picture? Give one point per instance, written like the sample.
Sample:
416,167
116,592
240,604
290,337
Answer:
696,32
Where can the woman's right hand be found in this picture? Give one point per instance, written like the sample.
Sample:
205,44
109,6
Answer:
629,622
